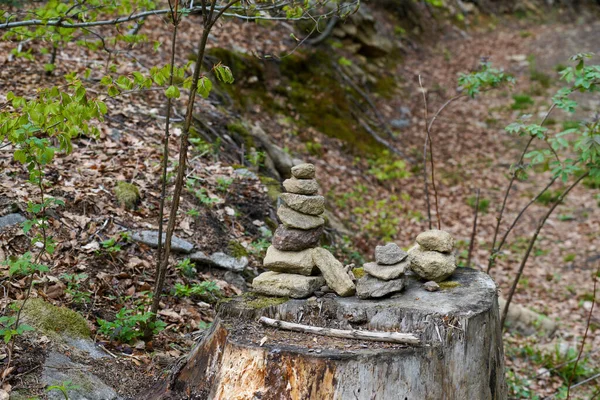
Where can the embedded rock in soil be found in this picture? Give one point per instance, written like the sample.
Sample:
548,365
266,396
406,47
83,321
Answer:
286,285
370,287
431,265
301,186
386,272
389,254
11,219
225,261
431,286
436,240
312,205
150,238
59,369
294,219
289,239
333,272
303,171
292,262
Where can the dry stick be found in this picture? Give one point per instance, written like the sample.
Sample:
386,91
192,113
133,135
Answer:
163,191
377,336
587,327
474,230
532,242
506,194
425,154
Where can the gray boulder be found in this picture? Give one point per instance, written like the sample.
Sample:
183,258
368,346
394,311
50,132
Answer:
303,171
301,186
389,254
220,260
312,205
11,219
150,238
300,262
369,287
386,272
273,283
289,239
294,219
436,240
431,265
333,272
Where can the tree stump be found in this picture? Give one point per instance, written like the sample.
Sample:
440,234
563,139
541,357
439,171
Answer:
460,355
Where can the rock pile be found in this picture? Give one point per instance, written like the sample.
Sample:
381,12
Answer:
385,276
432,258
294,260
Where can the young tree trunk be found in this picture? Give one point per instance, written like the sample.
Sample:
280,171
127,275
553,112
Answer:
460,355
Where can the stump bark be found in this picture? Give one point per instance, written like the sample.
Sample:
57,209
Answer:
460,355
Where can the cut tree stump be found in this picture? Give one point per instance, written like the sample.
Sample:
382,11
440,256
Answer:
460,354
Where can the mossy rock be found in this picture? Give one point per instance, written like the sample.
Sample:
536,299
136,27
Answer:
358,272
236,249
273,187
127,194
448,285
265,301
55,321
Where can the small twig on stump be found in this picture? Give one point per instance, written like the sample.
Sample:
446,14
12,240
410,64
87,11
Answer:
587,328
474,230
377,336
425,154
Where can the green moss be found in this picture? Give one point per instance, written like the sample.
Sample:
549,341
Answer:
127,194
265,301
448,284
240,129
53,321
236,249
273,187
358,272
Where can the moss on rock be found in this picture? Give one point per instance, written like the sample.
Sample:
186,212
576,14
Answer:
265,301
273,187
358,272
55,321
127,194
236,249
448,284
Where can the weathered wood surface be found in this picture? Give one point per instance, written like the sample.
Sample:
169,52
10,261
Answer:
460,356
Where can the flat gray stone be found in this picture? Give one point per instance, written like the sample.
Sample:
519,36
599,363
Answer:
150,238
301,186
333,272
277,284
303,171
290,239
294,219
386,272
293,262
225,261
11,219
431,265
59,368
312,205
436,240
369,287
390,254
220,260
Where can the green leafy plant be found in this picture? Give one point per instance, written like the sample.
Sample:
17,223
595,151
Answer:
74,289
63,388
484,204
129,325
9,328
186,267
111,246
205,289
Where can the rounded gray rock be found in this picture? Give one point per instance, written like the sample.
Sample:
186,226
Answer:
290,239
303,171
389,254
436,240
301,186
431,265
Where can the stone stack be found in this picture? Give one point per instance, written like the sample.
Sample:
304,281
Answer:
385,276
432,257
294,260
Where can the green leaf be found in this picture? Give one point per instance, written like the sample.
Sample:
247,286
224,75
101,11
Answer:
172,92
204,86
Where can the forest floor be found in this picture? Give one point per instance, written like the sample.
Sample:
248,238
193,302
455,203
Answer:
472,151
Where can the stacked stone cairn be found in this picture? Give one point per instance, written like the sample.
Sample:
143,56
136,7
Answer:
297,266
432,258
385,276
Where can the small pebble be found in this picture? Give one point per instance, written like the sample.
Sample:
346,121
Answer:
431,286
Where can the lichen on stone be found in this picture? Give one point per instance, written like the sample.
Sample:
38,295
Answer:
358,272
127,194
55,321
236,250
448,284
265,301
